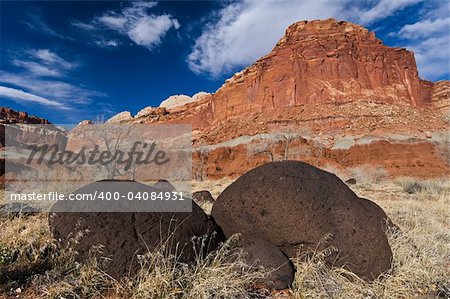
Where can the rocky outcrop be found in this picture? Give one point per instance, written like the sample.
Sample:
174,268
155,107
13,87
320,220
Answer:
85,122
10,116
23,130
151,112
296,207
120,117
180,100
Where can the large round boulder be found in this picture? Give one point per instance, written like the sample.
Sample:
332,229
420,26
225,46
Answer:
294,206
125,235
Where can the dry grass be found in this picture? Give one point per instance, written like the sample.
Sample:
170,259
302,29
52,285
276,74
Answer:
221,274
421,265
367,174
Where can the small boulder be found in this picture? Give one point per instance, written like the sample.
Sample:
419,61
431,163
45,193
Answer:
350,181
293,206
202,197
164,185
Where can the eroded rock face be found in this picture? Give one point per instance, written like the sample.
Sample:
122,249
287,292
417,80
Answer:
294,206
441,97
126,235
323,61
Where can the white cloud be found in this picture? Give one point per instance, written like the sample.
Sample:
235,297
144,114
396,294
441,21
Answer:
134,22
37,68
113,21
108,43
430,40
425,28
63,91
44,62
34,21
49,57
148,31
83,26
383,9
243,31
21,96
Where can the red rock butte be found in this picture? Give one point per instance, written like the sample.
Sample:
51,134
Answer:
323,62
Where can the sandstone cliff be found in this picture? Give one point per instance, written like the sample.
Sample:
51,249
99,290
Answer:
323,62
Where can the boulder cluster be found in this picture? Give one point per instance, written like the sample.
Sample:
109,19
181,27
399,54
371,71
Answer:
280,210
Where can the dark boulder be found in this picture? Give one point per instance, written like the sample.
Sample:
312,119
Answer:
123,236
293,206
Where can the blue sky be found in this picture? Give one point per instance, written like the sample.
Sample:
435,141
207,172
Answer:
69,61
